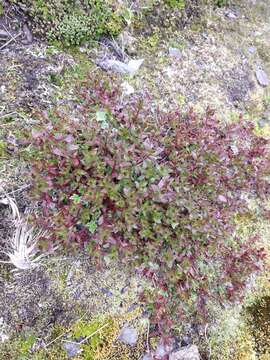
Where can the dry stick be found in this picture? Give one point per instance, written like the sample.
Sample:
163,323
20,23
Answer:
147,336
94,333
8,114
23,187
88,337
8,32
10,40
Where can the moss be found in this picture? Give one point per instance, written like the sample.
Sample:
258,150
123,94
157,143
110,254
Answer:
180,4
97,338
72,22
101,332
258,315
1,8
3,146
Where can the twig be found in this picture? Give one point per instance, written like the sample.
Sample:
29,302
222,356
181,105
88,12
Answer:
8,32
26,186
147,337
10,40
68,330
8,114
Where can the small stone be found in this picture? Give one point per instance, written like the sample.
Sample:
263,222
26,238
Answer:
262,77
147,356
175,52
28,34
3,34
163,349
188,353
263,122
186,340
72,349
134,66
252,49
120,67
127,89
106,292
231,14
129,336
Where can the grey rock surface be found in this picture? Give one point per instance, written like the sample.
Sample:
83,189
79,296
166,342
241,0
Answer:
175,52
187,353
262,77
128,335
72,349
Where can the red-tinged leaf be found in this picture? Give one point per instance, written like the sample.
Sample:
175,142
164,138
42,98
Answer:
76,162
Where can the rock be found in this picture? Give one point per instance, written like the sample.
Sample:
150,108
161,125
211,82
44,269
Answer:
187,353
4,34
186,340
174,52
129,336
147,356
72,349
252,49
127,88
28,34
262,77
3,334
134,66
163,349
264,122
106,292
118,66
231,14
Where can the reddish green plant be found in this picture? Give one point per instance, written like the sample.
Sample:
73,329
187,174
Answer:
159,191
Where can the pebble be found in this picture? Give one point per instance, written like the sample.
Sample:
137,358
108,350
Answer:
163,349
72,349
3,34
28,34
187,353
252,49
120,67
263,122
147,357
175,52
262,77
129,336
231,14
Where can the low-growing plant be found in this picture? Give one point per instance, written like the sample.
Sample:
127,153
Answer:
72,22
157,190
176,3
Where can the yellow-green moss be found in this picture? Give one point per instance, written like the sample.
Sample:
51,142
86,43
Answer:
243,332
72,22
1,8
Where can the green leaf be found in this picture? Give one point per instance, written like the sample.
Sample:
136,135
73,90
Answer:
76,198
91,226
101,116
